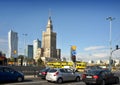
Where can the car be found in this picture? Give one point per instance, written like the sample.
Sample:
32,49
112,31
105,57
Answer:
92,68
9,74
99,77
60,75
42,73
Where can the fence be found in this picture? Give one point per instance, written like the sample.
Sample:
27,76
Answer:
32,70
27,70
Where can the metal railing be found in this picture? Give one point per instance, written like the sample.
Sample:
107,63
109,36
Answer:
27,70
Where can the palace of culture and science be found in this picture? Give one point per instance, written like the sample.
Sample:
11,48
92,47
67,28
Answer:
48,50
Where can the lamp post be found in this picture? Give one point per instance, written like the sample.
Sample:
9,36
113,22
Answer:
24,42
110,41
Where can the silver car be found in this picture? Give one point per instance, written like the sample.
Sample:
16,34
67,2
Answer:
60,75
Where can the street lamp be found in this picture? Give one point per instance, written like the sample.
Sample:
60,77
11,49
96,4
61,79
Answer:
24,42
110,41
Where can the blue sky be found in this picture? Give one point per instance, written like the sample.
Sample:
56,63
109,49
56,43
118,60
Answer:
77,22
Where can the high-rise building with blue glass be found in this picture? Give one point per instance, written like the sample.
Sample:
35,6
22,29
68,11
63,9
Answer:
29,51
13,44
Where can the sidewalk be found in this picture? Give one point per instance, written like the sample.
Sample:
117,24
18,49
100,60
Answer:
30,76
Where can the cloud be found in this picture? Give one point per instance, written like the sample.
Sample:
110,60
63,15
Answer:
91,48
96,53
3,41
93,56
99,55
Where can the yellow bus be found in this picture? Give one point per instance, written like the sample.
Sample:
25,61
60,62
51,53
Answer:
81,66
62,64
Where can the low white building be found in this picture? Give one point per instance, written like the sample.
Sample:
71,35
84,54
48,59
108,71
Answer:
91,62
117,62
99,62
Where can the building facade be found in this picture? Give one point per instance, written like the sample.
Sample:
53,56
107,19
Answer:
49,41
29,51
48,50
13,44
36,45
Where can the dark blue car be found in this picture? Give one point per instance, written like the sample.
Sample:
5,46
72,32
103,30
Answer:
100,77
9,74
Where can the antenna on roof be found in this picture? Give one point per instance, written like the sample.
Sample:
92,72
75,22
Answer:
49,13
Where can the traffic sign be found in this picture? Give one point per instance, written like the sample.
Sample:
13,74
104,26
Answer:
74,52
73,47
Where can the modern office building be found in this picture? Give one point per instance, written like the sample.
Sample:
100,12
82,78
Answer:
36,45
29,51
13,44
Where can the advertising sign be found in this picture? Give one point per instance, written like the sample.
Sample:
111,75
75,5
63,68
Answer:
73,47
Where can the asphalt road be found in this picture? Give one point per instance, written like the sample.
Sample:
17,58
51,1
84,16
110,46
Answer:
42,82
38,81
31,80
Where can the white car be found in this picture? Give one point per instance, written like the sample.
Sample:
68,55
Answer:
60,75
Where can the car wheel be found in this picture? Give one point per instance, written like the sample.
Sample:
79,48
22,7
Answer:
77,79
60,80
19,79
48,81
103,82
116,81
87,83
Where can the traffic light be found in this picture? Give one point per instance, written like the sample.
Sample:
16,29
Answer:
117,47
73,58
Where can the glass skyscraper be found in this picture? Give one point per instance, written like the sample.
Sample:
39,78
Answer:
13,44
29,51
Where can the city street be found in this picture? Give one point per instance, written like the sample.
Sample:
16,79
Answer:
38,81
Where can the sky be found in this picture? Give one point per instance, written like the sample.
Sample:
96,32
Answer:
81,23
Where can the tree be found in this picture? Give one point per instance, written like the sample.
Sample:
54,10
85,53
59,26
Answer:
40,62
21,57
11,59
30,61
64,59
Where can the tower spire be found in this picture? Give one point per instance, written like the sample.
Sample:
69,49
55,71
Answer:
49,24
49,13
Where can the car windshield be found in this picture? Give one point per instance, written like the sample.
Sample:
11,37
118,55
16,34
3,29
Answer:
46,69
93,67
95,72
52,70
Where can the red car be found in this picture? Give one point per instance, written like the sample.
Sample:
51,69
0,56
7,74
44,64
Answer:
42,73
99,77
